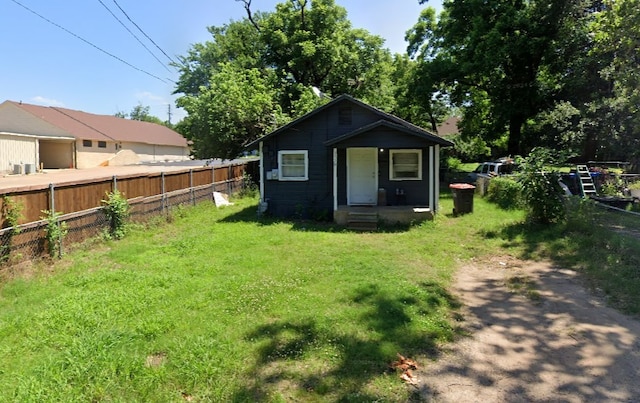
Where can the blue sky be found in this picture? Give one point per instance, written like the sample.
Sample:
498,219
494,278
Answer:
42,64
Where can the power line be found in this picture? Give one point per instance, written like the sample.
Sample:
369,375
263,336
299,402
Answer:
89,43
134,35
144,33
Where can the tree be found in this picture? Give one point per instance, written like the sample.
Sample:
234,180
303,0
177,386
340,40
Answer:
237,107
617,37
312,43
141,113
303,44
497,49
237,43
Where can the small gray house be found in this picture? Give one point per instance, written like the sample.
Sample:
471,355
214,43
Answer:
349,161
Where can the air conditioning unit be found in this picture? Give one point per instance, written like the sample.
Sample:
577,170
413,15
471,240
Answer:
17,169
29,168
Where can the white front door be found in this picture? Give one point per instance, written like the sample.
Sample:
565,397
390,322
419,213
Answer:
362,176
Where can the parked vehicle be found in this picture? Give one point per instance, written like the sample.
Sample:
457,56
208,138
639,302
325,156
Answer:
503,166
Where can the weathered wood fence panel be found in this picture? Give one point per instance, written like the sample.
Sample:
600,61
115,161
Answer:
79,196
80,204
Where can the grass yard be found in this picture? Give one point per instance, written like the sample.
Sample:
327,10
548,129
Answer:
219,306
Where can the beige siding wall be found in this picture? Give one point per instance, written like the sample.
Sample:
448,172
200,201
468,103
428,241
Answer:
17,150
56,154
94,156
149,152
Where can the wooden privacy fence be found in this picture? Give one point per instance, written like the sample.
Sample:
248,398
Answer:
80,204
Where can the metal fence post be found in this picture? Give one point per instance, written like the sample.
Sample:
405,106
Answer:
229,172
115,184
52,212
213,179
191,191
52,198
162,199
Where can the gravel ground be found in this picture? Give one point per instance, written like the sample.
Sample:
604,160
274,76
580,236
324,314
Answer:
555,343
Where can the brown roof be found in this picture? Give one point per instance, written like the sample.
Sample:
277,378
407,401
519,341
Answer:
449,127
88,126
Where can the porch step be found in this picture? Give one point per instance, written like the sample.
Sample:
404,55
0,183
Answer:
360,221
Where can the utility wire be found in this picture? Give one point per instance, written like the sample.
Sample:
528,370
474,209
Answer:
144,33
134,35
91,44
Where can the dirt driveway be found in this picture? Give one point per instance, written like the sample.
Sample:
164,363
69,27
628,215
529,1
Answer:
559,343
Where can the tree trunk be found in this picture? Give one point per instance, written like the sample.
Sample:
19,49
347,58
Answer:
515,136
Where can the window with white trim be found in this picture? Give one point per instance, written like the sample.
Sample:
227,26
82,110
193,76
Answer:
405,165
293,165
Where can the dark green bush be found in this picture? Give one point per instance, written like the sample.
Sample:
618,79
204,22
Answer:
505,192
117,210
542,194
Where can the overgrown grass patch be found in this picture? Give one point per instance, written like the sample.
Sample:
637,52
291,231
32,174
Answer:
221,306
602,245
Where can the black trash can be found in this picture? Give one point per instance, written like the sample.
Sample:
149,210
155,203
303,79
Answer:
462,197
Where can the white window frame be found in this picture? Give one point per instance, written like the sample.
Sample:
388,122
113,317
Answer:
392,175
281,176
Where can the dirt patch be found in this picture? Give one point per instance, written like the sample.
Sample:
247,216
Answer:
550,340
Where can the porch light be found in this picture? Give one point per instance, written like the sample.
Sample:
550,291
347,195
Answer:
382,150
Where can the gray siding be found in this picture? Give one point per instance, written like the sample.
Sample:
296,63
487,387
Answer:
314,198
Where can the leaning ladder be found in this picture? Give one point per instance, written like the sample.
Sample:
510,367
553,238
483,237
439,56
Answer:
586,182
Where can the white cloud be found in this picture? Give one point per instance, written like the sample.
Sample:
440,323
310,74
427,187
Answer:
146,95
47,101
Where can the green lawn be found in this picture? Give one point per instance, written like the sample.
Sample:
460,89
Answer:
220,306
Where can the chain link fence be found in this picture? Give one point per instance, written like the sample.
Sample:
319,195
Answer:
27,242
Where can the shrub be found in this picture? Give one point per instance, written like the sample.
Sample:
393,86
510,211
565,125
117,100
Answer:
454,164
55,232
249,187
11,214
11,211
505,192
542,195
116,208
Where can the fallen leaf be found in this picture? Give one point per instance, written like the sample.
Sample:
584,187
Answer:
409,378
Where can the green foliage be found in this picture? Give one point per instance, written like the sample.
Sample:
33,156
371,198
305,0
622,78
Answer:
454,164
116,209
473,149
141,113
542,195
249,187
519,70
55,231
634,185
133,322
612,186
616,31
505,192
11,212
257,74
239,106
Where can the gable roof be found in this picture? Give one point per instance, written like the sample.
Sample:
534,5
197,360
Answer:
423,134
385,117
89,126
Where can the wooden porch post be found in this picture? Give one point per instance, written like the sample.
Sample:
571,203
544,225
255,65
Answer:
335,179
262,175
437,178
432,180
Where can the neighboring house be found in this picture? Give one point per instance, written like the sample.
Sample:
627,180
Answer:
449,127
34,136
346,156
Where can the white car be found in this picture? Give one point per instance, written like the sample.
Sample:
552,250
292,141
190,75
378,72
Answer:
491,169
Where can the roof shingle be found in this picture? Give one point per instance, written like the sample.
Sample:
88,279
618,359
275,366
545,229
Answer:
88,126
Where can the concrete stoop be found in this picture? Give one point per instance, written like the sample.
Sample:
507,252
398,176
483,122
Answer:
360,221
